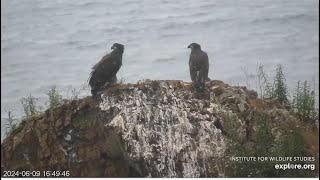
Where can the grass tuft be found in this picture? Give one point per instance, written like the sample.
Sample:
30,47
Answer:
55,98
29,105
279,89
121,81
11,122
75,93
304,102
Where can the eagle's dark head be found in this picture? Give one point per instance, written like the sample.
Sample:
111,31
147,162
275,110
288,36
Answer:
194,46
117,46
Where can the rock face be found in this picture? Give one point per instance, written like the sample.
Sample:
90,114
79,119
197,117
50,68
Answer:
148,129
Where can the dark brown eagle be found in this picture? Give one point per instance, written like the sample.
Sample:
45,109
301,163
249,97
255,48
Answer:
104,72
199,66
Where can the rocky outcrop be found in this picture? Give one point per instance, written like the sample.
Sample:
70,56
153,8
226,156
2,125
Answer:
148,129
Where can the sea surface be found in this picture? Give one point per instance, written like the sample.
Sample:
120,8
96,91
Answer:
56,42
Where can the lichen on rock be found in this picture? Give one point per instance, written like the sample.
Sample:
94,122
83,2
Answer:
149,129
166,132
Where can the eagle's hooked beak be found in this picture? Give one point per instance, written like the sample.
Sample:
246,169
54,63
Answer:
113,47
189,46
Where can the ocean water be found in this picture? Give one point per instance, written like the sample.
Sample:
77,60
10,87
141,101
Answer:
56,42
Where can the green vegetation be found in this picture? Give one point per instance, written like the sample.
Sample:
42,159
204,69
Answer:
264,86
267,89
293,145
263,137
11,122
29,105
55,98
279,89
276,89
260,146
75,93
304,102
292,142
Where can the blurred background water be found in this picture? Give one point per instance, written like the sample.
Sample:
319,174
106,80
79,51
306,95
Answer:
56,42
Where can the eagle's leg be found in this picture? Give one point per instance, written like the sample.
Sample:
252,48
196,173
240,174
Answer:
95,88
114,79
198,86
109,83
202,78
201,87
96,93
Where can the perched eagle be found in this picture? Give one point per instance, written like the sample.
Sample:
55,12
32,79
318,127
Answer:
199,66
104,72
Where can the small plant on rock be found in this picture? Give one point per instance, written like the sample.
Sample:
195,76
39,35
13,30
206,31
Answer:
264,86
29,105
304,101
75,93
55,98
11,122
279,89
121,80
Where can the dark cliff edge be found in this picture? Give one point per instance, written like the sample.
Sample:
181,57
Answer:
162,129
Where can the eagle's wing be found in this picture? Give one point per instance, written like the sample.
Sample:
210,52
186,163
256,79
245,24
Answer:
204,68
104,58
102,61
105,69
192,68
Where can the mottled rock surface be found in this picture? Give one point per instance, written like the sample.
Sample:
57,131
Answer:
148,129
